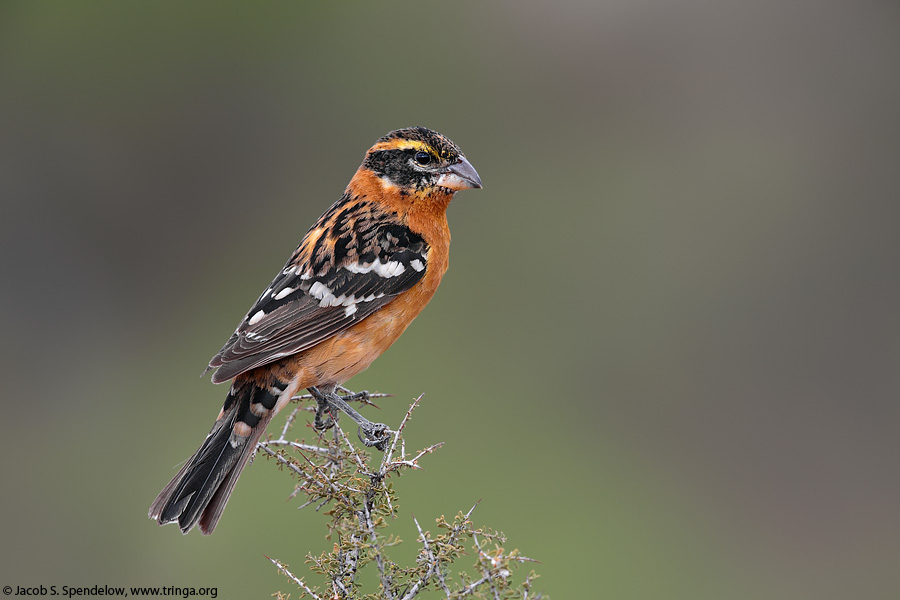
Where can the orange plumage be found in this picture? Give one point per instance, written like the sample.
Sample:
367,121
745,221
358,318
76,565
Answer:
359,277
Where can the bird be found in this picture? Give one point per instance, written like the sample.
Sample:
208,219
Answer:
360,275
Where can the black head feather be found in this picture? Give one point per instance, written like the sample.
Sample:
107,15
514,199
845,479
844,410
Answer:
394,157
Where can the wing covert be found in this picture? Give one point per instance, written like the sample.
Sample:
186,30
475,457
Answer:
352,262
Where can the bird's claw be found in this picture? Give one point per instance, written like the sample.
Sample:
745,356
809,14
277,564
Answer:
374,435
353,396
321,424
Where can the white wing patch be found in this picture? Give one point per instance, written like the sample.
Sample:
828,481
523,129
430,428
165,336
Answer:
324,295
283,293
256,317
320,291
392,268
296,271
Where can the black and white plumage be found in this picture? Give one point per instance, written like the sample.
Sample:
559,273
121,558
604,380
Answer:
358,278
352,262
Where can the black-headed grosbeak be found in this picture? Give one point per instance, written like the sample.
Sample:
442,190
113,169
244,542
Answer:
359,277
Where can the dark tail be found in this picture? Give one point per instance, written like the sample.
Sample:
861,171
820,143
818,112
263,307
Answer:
197,495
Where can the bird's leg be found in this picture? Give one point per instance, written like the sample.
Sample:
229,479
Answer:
370,434
321,410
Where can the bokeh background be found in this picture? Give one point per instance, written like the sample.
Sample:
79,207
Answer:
665,355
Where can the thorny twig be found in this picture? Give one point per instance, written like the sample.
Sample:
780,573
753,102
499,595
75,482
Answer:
294,578
337,470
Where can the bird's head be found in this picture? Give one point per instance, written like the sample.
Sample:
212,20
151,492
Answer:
421,161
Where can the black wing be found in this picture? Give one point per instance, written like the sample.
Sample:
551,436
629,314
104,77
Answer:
351,263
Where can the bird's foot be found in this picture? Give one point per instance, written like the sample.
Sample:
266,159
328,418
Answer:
374,435
320,423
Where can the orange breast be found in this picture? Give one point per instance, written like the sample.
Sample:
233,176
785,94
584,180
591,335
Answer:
353,350
339,358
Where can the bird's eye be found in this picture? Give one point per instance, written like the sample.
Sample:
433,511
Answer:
422,158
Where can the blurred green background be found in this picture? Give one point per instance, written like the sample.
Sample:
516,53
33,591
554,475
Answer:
665,355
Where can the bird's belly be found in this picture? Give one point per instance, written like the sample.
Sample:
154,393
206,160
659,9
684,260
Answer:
354,349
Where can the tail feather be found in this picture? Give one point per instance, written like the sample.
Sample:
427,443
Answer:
201,489
216,505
